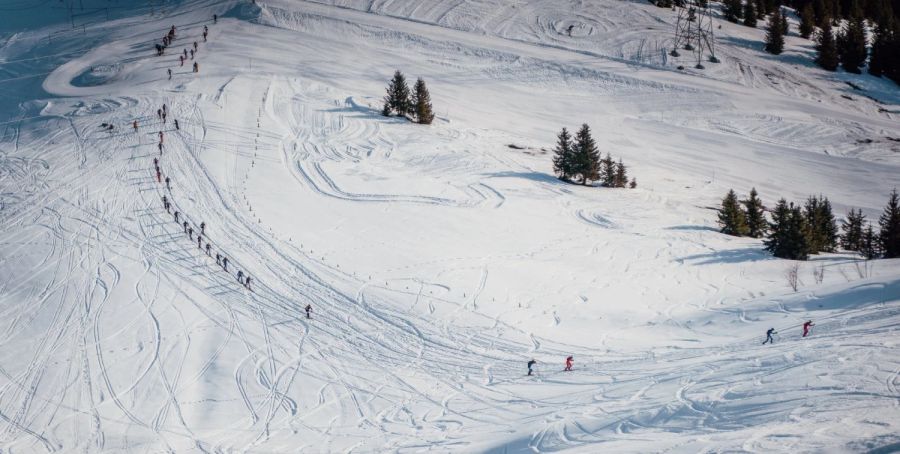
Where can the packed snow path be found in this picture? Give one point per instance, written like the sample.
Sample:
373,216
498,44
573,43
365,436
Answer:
436,260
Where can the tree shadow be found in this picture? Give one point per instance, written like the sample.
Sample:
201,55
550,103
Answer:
533,176
728,256
693,228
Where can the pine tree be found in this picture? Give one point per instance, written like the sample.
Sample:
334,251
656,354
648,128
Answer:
563,155
880,47
749,14
787,238
827,56
424,112
397,99
852,45
732,219
869,247
821,13
821,228
807,21
760,8
885,59
775,33
889,222
785,26
852,227
586,158
609,171
733,10
827,227
756,217
621,179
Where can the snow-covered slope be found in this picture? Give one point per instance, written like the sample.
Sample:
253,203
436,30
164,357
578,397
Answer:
437,260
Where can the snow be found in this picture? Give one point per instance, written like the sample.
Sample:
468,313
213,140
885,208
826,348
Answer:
437,259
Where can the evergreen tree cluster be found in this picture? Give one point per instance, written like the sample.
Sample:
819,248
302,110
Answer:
850,46
578,159
743,217
415,105
796,232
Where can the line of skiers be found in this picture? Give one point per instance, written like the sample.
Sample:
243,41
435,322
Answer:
162,113
807,327
188,229
570,361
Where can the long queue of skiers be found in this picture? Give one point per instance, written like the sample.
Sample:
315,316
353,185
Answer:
181,219
807,327
188,227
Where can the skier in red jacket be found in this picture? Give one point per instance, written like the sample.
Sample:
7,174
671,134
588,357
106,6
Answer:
569,362
806,327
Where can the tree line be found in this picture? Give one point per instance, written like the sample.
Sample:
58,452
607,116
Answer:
415,105
796,232
578,159
849,47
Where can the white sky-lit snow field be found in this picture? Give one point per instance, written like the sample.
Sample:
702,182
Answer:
437,259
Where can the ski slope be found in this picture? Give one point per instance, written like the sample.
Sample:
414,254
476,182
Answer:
437,260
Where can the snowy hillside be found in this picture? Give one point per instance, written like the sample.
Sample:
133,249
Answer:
437,260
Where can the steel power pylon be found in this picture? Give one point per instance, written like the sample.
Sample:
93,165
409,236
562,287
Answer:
694,31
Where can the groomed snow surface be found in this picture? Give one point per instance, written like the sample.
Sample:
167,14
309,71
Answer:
437,260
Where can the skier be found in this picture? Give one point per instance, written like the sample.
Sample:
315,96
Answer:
159,113
191,233
168,185
208,246
135,125
769,338
196,67
170,75
247,283
176,217
159,145
160,137
203,228
225,263
165,110
181,59
195,45
185,226
158,176
215,18
164,114
205,29
308,310
177,128
531,365
806,327
165,203
218,259
204,35
156,162
192,54
185,54
569,361
240,276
